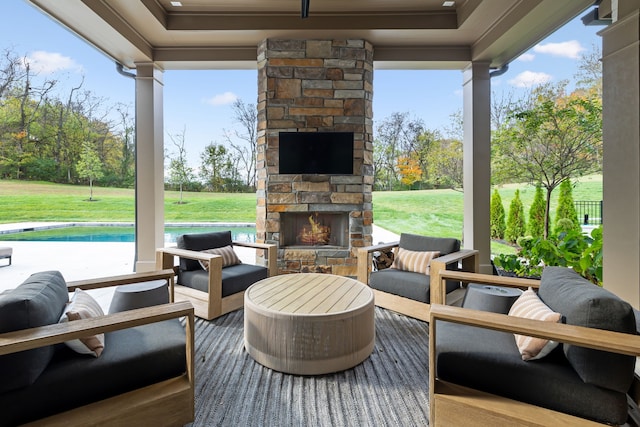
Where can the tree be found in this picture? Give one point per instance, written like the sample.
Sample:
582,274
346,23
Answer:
559,137
179,171
397,135
409,170
247,116
216,166
498,225
516,225
445,164
566,209
589,75
535,226
89,166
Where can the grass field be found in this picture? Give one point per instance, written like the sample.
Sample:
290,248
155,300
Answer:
428,212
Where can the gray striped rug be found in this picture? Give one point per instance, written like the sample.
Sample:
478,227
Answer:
390,388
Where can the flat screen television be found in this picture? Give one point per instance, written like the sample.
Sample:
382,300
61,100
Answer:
329,153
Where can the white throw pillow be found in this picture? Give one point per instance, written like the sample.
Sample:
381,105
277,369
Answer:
83,306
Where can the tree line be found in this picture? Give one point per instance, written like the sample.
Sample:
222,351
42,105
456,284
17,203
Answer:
63,135
46,129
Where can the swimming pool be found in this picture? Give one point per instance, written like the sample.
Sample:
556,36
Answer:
117,233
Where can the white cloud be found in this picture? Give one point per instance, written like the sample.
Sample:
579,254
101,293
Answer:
526,57
42,62
570,49
222,99
530,78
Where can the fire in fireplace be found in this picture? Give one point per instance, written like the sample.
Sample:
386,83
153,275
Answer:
314,229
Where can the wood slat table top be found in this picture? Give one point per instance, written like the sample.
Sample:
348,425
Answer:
309,293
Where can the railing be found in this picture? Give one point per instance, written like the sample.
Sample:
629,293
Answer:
589,212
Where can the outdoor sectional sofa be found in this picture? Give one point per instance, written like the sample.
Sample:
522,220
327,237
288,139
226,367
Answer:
144,375
478,375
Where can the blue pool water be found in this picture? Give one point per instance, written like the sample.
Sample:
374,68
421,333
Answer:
120,234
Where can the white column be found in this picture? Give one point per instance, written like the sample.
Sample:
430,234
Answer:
477,161
621,160
149,165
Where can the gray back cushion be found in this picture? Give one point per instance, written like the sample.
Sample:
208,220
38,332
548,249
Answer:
200,242
415,242
38,301
582,303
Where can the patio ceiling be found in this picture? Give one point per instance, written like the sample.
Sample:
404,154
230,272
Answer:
216,34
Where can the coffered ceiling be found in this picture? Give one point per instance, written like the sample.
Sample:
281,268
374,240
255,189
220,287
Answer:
214,34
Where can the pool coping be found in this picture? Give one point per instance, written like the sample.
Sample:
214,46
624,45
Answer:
20,227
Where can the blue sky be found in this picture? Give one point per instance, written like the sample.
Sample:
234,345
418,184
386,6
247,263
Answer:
199,101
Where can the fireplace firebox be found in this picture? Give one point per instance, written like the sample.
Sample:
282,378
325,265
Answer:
313,229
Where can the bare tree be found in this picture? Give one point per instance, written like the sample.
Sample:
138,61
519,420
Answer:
589,74
179,171
246,115
397,135
10,71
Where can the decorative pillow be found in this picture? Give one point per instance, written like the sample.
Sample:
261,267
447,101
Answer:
416,261
83,306
529,306
229,256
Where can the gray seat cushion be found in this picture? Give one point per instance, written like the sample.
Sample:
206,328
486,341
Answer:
408,284
489,361
132,358
38,301
235,278
415,286
582,303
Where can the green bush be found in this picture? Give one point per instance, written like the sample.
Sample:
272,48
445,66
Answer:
498,224
535,226
570,248
566,208
516,225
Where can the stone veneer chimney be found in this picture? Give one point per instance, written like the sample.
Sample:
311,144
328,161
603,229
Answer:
315,86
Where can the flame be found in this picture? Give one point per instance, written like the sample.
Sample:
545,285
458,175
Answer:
316,233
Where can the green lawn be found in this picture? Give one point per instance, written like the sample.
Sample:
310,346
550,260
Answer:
428,212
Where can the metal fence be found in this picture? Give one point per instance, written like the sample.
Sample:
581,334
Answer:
589,212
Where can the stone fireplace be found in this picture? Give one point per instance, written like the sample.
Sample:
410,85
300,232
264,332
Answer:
318,215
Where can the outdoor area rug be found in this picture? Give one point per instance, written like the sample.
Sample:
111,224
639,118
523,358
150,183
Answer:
390,388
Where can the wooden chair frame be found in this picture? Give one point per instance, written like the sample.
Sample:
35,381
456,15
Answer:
209,305
419,310
168,403
452,404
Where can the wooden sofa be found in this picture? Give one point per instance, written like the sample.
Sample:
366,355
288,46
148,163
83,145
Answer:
396,290
477,376
144,376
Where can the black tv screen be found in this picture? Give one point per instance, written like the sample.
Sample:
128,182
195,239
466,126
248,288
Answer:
329,153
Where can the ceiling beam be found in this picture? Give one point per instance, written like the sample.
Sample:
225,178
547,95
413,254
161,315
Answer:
363,21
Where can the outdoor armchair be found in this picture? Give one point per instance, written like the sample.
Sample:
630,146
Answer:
144,374
219,288
478,374
418,261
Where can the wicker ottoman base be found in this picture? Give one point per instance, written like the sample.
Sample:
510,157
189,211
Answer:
309,323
